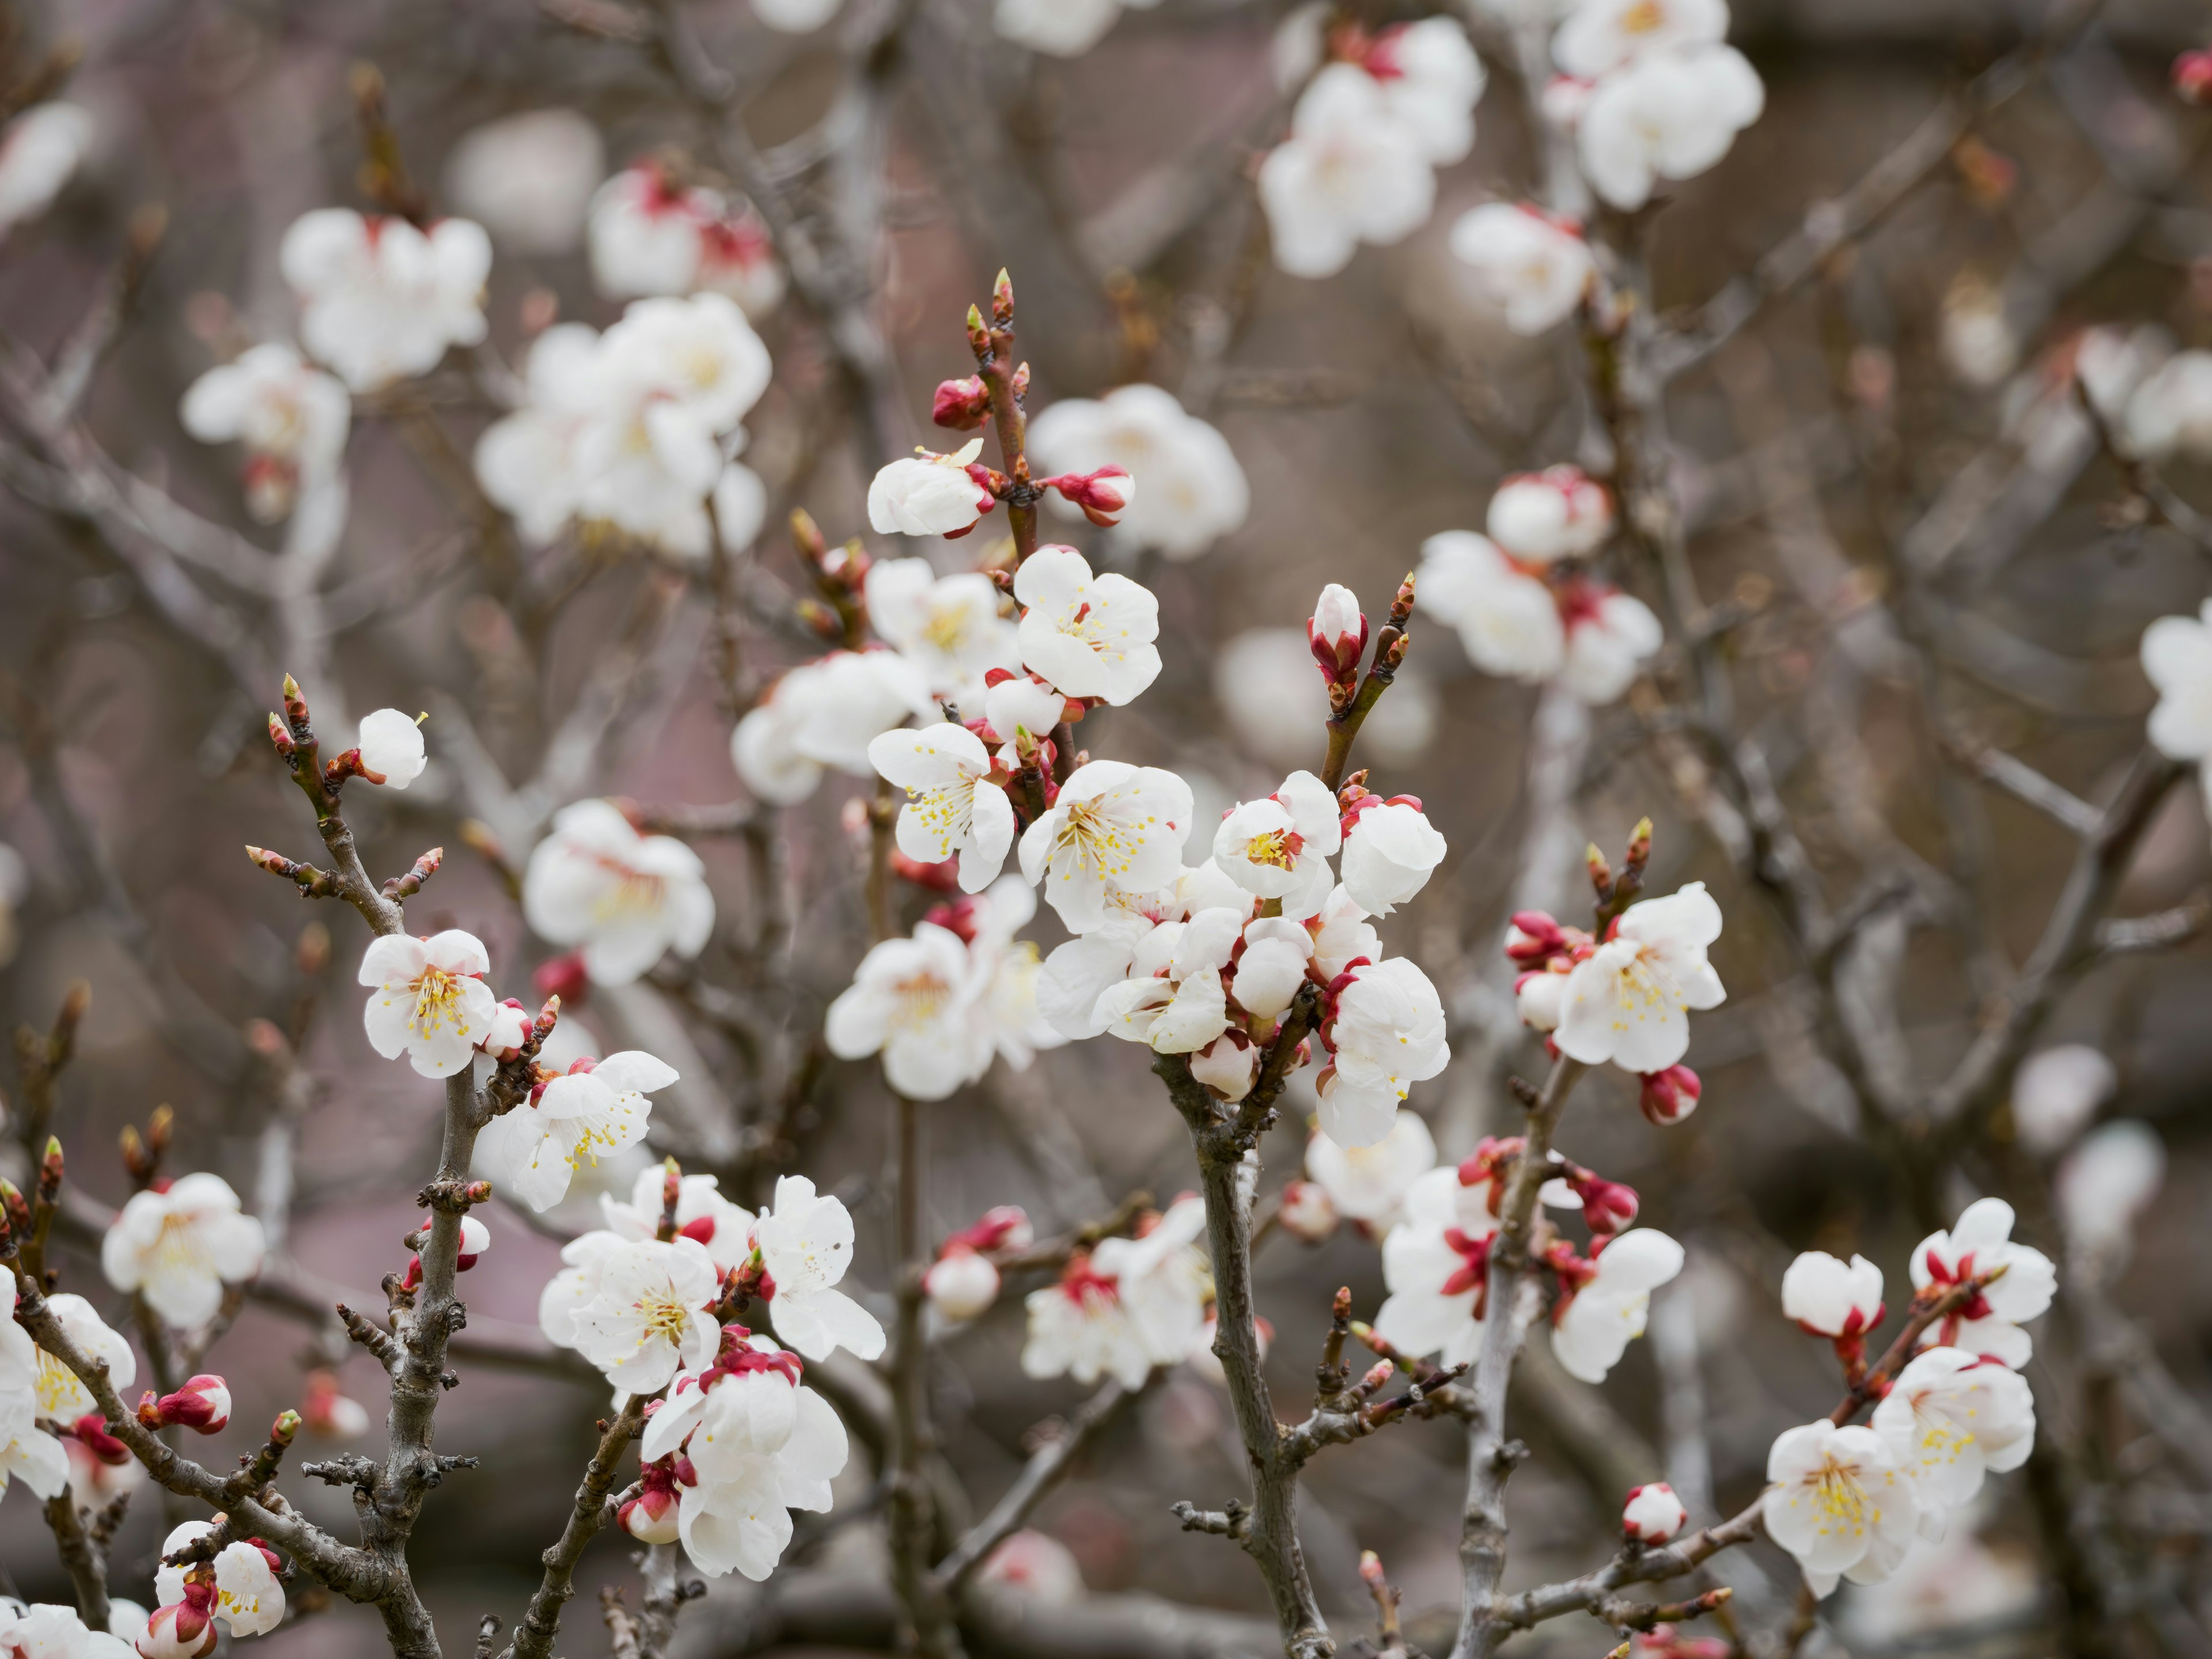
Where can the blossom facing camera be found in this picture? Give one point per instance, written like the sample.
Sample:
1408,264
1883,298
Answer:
1952,1418
961,1284
1353,170
1841,1502
430,1002
1533,268
1652,1513
1664,1096
391,749
1630,1002
927,494
178,1249
625,899
1090,636
594,1110
1561,512
380,301
247,1596
291,417
1990,1322
1593,1328
1667,116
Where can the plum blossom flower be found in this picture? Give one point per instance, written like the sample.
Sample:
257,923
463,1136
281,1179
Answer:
2171,412
590,1112
291,417
1652,1514
328,1412
380,299
200,1403
1278,847
1667,115
1599,36
652,1313
1509,624
38,151
1532,267
764,749
1595,1327
60,1397
1664,1096
1389,852
949,626
956,806
430,1002
1979,1242
650,235
28,1452
1173,1016
626,899
927,494
1629,1003
1561,513
702,1215
1431,80
2056,1092
178,1248
1113,830
2177,656
1830,1297
1059,28
1353,170
529,178
390,749
1369,1184
1539,997
1277,952
1436,1262
836,705
1951,1418
248,1599
912,1000
1077,976
1191,491
1009,975
1092,636
1341,934
43,1629
1131,1304
806,1244
1305,1211
1387,1035
1610,635
1841,1501
526,461
571,1290
2103,1189
961,1284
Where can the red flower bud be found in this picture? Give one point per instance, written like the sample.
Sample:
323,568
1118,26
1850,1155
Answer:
91,1432
1103,495
962,406
1670,1096
2192,77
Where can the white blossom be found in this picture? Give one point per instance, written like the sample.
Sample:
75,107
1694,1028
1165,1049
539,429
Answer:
796,16
953,806
1022,702
2056,1092
1341,934
651,1314
1353,170
1599,36
912,1000
248,1599
1369,1184
528,178
1132,1304
626,899
28,1452
390,747
1431,80
43,1629
1596,1326
1830,1297
1561,512
1668,115
1608,641
1191,490
178,1248
527,461
1980,1240
291,417
1951,1418
650,236
1227,1066
1278,847
59,1395
949,626
1009,975
42,148
1435,1262
429,1000
2104,1186
1652,1514
764,746
2171,412
1841,1501
1531,267
1508,621
1173,1016
1630,1002
724,1230
1114,829
1389,1035
1540,998
841,703
927,494
380,299
1305,1211
1390,853
806,1244
1092,636
534,1151
1034,1566
1276,952
2177,656
960,1285
573,1289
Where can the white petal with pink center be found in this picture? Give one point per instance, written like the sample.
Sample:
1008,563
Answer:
1830,1296
948,626
912,1000
430,1002
702,1215
651,1314
1278,847
249,1599
1433,1262
1561,513
533,1152
1370,1183
1979,1241
1091,635
1841,1502
1608,645
1353,170
1610,1311
1630,1002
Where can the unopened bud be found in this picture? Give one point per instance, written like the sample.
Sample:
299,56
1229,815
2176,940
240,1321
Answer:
806,536
19,1213
979,335
1401,605
160,1124
2192,77
1639,845
1670,1096
564,976
91,1433
280,737
1607,1205
1600,873
1370,1569
1002,300
202,1405
286,1425
1103,495
961,1284
1534,937
962,405
650,1517
1376,1376
1020,382
1652,1514
1336,633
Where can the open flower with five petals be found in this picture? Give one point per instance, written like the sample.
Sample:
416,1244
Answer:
651,1314
591,1112
626,898
1841,1501
430,1003
1630,1001
1091,635
806,1244
1113,830
179,1247
957,801
1981,1240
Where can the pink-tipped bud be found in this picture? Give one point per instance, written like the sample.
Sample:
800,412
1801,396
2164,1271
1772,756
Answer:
1103,495
1652,1514
1377,1374
961,1284
203,1405
1607,1206
563,977
2192,77
1307,1211
1533,938
1670,1096
1005,1227
183,1629
1540,999
91,1432
962,405
1337,633
650,1516
508,1030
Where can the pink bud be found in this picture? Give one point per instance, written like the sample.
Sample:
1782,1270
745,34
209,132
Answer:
961,1284
563,977
1377,1374
1652,1514
182,1630
1533,938
1607,1206
203,1405
91,1432
1670,1096
2192,77
1103,495
1006,1227
962,406
1307,1211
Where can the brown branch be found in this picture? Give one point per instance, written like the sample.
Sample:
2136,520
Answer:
1047,1467
926,1610
294,735
541,1625
83,1557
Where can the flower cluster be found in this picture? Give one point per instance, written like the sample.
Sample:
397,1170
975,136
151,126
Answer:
1380,113
1125,1306
653,236
1522,599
